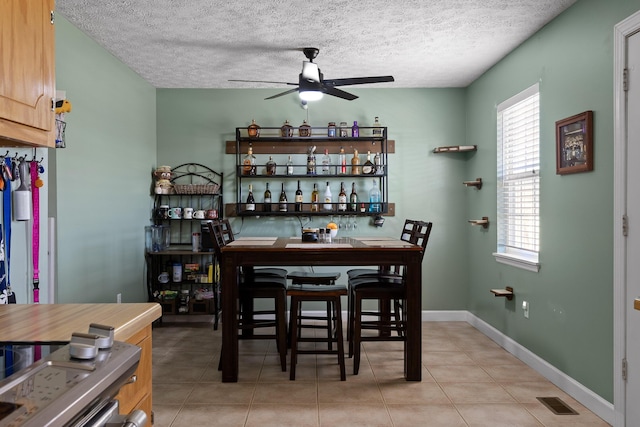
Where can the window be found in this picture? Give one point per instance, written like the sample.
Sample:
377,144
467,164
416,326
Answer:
519,180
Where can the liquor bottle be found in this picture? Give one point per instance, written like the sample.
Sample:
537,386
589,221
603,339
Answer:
311,161
298,206
326,162
353,198
271,166
377,129
355,130
304,129
342,159
331,130
315,199
267,200
377,164
342,199
328,206
251,202
368,167
355,163
289,166
286,131
253,130
249,163
374,198
344,130
283,200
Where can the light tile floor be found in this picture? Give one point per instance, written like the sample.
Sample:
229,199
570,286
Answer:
468,380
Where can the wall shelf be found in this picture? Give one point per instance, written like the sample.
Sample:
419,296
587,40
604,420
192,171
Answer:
484,222
507,292
477,183
455,148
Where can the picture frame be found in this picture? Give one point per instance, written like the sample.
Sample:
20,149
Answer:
574,144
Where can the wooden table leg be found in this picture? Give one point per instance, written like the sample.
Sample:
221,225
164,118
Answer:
230,277
413,348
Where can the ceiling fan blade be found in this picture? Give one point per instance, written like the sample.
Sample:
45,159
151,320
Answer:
263,81
339,93
358,80
287,92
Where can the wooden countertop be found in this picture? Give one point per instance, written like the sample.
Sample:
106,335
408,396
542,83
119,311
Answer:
56,322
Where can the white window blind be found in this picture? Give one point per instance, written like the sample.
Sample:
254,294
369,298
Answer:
519,177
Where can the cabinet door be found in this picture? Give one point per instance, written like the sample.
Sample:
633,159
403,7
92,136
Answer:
27,85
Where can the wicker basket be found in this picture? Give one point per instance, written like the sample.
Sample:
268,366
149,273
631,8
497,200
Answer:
196,188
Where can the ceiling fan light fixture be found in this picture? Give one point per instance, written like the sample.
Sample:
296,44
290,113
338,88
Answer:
310,95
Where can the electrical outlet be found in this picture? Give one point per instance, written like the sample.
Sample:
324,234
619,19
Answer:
525,309
118,298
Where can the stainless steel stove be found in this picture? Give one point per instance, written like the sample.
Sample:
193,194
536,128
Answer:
74,385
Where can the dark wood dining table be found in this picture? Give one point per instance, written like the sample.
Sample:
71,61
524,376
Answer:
291,251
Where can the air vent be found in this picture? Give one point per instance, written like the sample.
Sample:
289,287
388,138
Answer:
557,406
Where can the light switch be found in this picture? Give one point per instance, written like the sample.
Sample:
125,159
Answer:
525,309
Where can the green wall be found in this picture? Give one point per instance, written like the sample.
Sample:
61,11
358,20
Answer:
571,298
102,179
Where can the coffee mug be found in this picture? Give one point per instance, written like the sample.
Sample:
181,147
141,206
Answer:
199,214
163,277
162,212
175,213
187,213
212,214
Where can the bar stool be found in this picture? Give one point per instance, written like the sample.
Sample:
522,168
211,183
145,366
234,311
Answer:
385,285
267,283
316,279
308,292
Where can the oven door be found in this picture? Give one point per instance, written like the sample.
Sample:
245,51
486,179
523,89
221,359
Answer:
108,416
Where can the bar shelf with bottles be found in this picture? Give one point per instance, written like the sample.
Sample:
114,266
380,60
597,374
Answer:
284,161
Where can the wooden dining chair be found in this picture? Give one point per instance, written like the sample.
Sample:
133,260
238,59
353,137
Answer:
272,284
387,286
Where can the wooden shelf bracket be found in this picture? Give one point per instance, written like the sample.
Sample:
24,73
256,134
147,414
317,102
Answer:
477,183
484,222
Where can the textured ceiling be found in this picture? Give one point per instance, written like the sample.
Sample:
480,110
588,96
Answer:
204,43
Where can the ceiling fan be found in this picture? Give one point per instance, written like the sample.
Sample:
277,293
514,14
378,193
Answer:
311,85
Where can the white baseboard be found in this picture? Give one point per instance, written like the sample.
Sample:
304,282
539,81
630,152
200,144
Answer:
573,388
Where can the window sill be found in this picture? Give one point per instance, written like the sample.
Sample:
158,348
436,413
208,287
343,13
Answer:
517,261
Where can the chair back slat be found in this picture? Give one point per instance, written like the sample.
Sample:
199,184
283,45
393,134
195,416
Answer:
415,232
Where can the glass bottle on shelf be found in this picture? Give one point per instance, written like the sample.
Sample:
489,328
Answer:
286,131
355,163
374,198
355,130
326,162
271,166
315,199
311,161
249,163
342,199
353,198
342,159
328,206
298,205
304,129
251,202
253,130
377,164
368,167
289,166
331,130
377,129
267,200
344,130
282,203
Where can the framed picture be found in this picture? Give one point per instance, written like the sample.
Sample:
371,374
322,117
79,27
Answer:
574,140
